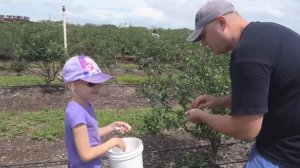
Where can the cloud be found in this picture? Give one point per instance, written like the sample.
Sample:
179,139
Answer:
282,12
162,13
148,13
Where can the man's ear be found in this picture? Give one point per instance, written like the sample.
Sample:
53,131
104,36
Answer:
222,21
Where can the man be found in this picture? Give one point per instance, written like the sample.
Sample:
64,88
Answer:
265,84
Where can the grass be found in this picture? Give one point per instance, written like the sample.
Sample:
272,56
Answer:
4,66
33,79
27,80
49,124
133,116
128,66
191,160
131,79
24,80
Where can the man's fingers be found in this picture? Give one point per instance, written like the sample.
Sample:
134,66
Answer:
200,105
198,102
187,114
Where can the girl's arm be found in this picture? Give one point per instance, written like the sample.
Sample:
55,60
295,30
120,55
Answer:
106,130
88,153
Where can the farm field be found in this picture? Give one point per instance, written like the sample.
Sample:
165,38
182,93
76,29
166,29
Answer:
170,148
155,80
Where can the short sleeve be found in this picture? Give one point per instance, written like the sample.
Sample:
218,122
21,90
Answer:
75,115
250,88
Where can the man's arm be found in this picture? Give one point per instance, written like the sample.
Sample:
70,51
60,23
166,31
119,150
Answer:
225,101
244,127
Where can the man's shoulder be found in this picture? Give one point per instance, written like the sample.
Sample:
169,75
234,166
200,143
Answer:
260,42
265,24
267,28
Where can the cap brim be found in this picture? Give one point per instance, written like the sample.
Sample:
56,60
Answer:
195,36
98,78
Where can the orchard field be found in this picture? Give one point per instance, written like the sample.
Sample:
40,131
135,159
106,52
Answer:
155,79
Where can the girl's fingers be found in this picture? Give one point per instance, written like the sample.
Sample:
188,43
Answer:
123,129
126,125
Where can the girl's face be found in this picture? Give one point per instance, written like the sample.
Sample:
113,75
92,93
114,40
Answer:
85,90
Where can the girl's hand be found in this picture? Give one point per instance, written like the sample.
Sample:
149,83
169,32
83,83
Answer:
121,126
119,142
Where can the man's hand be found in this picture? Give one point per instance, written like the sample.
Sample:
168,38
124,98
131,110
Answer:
209,101
194,115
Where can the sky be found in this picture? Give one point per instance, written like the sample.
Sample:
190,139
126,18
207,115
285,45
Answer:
173,14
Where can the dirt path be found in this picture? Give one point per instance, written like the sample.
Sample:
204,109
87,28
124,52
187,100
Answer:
167,150
38,98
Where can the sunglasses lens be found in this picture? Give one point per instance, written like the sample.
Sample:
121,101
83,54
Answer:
91,84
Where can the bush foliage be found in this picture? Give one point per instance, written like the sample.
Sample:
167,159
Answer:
177,71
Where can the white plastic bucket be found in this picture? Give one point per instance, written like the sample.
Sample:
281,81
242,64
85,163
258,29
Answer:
131,158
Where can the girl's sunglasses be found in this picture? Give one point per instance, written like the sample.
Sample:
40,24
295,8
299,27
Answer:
91,84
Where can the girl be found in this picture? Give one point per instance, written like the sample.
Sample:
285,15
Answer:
84,147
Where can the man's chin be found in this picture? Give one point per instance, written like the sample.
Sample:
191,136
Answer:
219,52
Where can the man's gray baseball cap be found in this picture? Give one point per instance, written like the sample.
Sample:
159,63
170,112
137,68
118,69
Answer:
207,13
